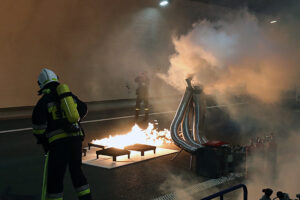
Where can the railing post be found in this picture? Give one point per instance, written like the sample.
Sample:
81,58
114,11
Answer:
245,192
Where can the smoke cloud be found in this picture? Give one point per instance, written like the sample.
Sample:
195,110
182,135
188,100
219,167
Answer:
286,178
244,54
174,184
96,47
178,185
238,54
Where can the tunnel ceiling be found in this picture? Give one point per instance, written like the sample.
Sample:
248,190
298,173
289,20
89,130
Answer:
261,6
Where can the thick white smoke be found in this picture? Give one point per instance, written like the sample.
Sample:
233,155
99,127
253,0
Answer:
242,54
236,55
287,174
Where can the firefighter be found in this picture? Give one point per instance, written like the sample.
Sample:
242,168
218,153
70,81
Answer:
61,139
267,196
142,95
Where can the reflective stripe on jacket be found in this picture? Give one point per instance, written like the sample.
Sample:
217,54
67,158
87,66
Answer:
48,123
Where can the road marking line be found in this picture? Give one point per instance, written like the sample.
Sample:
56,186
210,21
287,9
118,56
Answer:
15,130
123,117
116,118
89,121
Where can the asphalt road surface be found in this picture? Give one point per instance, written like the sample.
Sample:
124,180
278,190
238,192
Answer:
22,160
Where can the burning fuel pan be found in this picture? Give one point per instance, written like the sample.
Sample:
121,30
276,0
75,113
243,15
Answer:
141,148
95,145
114,152
104,161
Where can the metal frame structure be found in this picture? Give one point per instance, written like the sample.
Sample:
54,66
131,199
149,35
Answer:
221,193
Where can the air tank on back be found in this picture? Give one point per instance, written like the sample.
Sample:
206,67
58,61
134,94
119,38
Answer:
67,103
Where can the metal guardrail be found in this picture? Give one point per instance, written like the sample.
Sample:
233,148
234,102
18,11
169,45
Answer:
221,193
202,187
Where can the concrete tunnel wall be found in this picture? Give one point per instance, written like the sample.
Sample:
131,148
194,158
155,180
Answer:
97,47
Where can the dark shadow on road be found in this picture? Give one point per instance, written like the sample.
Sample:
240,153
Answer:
7,194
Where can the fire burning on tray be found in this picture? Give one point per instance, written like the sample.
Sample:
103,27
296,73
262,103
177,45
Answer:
137,135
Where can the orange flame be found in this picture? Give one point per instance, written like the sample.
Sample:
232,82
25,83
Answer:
137,135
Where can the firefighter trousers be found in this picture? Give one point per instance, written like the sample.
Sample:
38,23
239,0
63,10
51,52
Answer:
139,100
63,153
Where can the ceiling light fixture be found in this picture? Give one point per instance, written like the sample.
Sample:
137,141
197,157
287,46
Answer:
164,3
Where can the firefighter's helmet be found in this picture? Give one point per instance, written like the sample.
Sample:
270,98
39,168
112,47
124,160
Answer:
46,76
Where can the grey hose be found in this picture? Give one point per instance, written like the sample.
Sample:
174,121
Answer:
178,119
199,117
185,127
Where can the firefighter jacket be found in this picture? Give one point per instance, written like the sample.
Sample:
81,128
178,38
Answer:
143,86
49,123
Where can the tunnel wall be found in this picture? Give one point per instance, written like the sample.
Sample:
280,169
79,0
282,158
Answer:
96,47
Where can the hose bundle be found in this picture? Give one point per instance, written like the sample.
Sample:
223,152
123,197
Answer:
189,110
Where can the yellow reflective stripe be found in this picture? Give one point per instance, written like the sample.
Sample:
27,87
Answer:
46,81
63,135
58,136
52,109
146,108
39,131
44,187
46,91
84,192
54,198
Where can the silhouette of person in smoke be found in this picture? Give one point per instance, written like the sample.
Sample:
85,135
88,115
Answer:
283,196
267,196
142,94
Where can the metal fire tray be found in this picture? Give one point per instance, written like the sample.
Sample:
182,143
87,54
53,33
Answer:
141,148
114,152
95,145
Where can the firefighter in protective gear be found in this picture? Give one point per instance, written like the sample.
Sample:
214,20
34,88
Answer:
267,196
142,95
61,140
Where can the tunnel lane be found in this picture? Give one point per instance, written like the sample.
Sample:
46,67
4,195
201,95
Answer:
124,117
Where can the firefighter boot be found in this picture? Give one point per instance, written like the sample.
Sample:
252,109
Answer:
146,114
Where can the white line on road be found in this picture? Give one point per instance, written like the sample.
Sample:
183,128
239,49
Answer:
123,117
117,118
15,130
89,121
